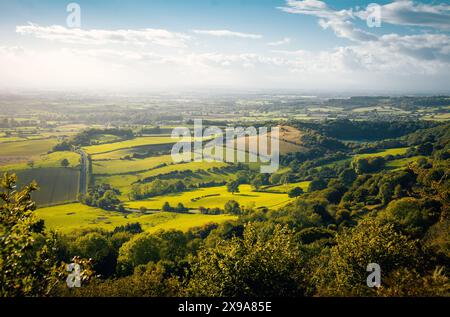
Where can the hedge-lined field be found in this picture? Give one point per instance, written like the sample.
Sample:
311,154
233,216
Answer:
140,141
287,187
129,166
393,152
70,217
45,161
56,185
27,148
213,197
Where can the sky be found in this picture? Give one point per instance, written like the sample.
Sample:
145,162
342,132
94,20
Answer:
398,46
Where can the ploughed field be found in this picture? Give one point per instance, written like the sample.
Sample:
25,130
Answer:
57,185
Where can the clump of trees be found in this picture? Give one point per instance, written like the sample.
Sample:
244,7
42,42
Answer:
368,165
154,188
87,137
179,208
103,196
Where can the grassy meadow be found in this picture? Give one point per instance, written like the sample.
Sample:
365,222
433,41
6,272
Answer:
71,217
214,197
46,161
287,187
393,152
136,142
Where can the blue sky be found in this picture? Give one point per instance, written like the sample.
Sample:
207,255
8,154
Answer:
231,44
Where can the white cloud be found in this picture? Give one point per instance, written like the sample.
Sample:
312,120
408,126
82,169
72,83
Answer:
284,41
228,33
377,65
95,37
339,21
420,47
390,61
406,12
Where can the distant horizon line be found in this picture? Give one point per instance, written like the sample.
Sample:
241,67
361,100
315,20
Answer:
216,91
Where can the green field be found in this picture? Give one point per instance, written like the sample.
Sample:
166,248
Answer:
56,185
213,197
137,142
125,182
193,166
27,148
287,187
70,217
393,152
121,182
129,166
400,163
46,161
105,138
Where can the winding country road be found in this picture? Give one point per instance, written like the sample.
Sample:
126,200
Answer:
83,171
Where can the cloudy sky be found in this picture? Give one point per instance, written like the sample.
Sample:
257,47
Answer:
307,45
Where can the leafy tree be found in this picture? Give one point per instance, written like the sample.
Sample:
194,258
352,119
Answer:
368,165
166,207
141,249
343,271
425,149
233,187
295,192
133,228
408,282
180,208
108,201
28,263
65,162
252,266
348,176
95,246
412,215
150,280
256,183
317,184
232,207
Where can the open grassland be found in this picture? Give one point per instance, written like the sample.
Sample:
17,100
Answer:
137,142
125,182
121,182
27,148
393,152
46,161
56,185
105,138
142,151
129,166
193,166
70,217
287,187
214,197
438,117
401,163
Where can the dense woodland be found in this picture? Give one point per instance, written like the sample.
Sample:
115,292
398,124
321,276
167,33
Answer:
354,213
